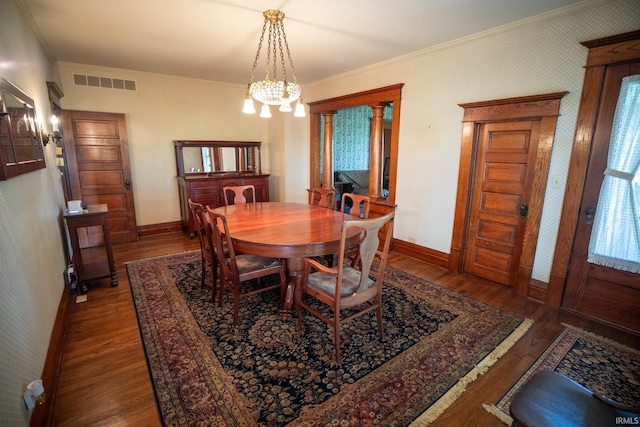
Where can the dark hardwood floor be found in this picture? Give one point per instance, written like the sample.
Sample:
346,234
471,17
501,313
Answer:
104,380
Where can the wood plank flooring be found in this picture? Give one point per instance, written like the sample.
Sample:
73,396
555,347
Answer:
104,379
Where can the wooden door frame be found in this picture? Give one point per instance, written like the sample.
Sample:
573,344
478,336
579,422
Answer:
602,53
544,108
371,97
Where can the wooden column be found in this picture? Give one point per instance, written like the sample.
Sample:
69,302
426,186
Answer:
327,165
375,149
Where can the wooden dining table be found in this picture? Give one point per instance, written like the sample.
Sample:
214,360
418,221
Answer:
290,231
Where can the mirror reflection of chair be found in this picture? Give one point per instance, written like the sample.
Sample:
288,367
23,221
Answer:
323,197
238,194
550,398
343,286
209,261
237,269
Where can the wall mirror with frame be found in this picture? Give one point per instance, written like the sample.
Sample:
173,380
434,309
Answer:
217,157
21,149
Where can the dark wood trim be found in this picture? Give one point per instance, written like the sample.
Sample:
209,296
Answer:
538,290
367,97
421,253
42,414
163,228
600,56
544,107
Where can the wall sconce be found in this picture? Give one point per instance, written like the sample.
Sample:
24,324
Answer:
55,136
34,394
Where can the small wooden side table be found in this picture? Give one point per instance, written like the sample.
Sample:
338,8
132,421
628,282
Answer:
94,215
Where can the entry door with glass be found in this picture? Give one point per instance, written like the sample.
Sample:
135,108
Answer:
604,270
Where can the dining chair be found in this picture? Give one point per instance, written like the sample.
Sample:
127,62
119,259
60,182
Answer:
203,231
236,269
344,286
323,197
238,194
357,203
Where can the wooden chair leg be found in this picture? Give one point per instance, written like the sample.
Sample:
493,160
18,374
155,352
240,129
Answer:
221,291
336,340
214,281
204,273
297,299
236,305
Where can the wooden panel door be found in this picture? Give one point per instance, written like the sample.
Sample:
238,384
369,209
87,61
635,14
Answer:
97,156
502,183
597,291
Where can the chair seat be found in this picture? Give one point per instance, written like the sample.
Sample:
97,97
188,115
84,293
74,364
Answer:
327,284
550,399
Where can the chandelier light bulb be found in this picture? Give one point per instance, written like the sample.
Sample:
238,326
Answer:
248,107
265,112
300,112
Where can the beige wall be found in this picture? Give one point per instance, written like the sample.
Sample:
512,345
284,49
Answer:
31,251
534,56
165,108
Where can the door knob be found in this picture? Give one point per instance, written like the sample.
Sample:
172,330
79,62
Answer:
524,210
589,214
127,184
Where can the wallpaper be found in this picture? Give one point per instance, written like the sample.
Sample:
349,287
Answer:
351,136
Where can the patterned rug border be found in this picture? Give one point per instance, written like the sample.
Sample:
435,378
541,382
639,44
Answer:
425,418
497,411
435,410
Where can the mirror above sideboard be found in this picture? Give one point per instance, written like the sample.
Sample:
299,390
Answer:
197,157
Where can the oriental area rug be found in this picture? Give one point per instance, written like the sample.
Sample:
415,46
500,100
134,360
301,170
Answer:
264,372
597,363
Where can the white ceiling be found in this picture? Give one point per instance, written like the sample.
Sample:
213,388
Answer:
217,39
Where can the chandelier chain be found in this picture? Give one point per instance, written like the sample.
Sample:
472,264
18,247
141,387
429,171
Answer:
255,61
284,70
286,44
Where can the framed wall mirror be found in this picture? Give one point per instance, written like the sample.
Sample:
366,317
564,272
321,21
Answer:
217,157
21,149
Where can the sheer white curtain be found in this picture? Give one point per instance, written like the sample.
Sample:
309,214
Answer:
615,237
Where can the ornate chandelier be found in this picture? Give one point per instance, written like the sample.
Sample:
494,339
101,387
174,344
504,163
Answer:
272,91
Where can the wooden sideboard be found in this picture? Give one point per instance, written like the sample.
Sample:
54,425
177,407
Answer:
205,167
208,191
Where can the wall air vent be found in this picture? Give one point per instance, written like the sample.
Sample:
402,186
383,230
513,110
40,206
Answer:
106,82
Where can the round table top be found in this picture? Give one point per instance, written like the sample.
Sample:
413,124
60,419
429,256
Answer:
285,230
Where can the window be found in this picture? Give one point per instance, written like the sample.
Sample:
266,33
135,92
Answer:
615,238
